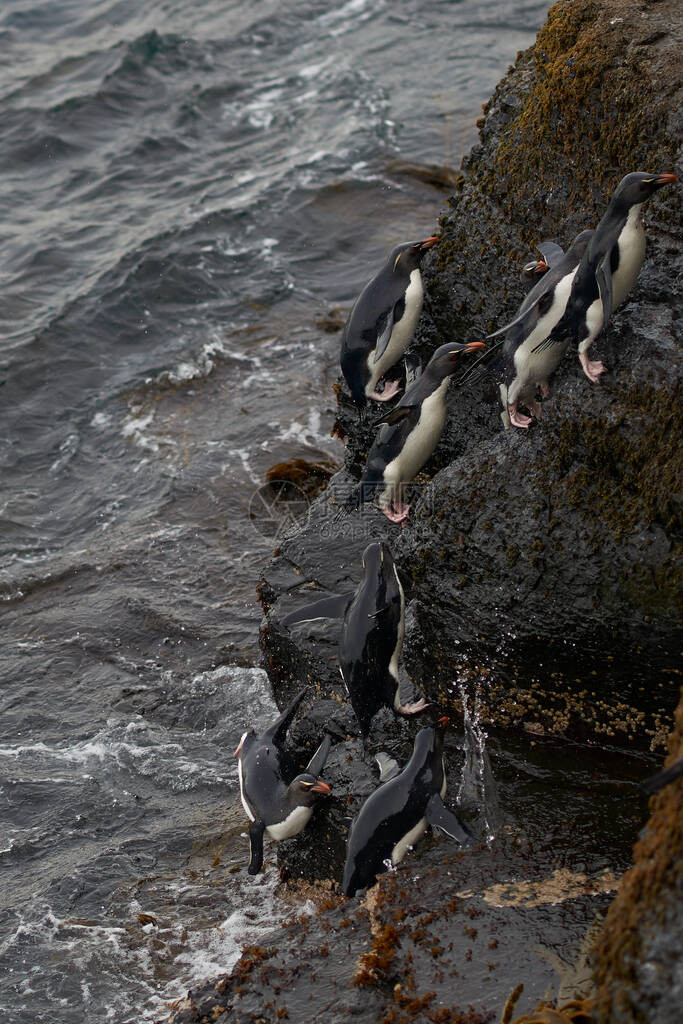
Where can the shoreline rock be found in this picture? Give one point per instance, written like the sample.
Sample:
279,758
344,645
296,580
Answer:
553,556
540,569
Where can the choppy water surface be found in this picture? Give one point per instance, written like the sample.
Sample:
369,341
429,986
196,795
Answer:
188,189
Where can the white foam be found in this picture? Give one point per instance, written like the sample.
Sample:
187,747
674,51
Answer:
135,428
310,432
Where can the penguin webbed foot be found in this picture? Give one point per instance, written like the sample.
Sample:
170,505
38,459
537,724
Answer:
396,512
518,419
414,709
391,389
592,368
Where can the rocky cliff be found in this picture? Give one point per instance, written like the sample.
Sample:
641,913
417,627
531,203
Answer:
540,567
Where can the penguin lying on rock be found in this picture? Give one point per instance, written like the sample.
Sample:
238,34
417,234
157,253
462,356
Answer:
409,434
608,268
371,637
276,808
382,323
396,815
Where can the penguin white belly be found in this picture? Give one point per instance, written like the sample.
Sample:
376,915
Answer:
393,664
242,796
295,821
532,368
631,243
594,322
409,839
419,444
401,335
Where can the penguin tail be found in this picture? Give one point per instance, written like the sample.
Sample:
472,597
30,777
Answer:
352,503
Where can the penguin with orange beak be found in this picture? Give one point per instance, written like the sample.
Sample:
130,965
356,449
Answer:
274,807
397,814
409,434
608,269
382,323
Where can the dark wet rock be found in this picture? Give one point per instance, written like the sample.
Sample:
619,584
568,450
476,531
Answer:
639,967
445,937
545,562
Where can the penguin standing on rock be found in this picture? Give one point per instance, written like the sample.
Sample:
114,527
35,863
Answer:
371,638
276,808
396,815
525,368
409,434
382,323
608,269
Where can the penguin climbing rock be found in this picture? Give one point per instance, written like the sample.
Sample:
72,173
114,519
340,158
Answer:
371,636
525,369
277,808
409,434
396,815
382,323
608,269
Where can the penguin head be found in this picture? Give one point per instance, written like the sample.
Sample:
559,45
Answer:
407,257
638,186
429,741
377,558
533,269
443,362
305,790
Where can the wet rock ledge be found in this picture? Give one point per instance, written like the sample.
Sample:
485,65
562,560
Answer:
540,568
545,562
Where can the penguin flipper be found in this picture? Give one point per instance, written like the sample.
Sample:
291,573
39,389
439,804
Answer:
413,365
398,415
384,329
317,762
388,766
483,366
551,252
256,830
439,816
278,729
327,608
603,275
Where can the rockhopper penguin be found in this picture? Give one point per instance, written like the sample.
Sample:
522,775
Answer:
526,369
275,807
371,636
608,269
382,323
396,815
409,434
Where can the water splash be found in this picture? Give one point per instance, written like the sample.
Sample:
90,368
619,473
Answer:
478,793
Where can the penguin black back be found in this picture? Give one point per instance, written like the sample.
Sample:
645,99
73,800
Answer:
382,322
372,636
397,813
